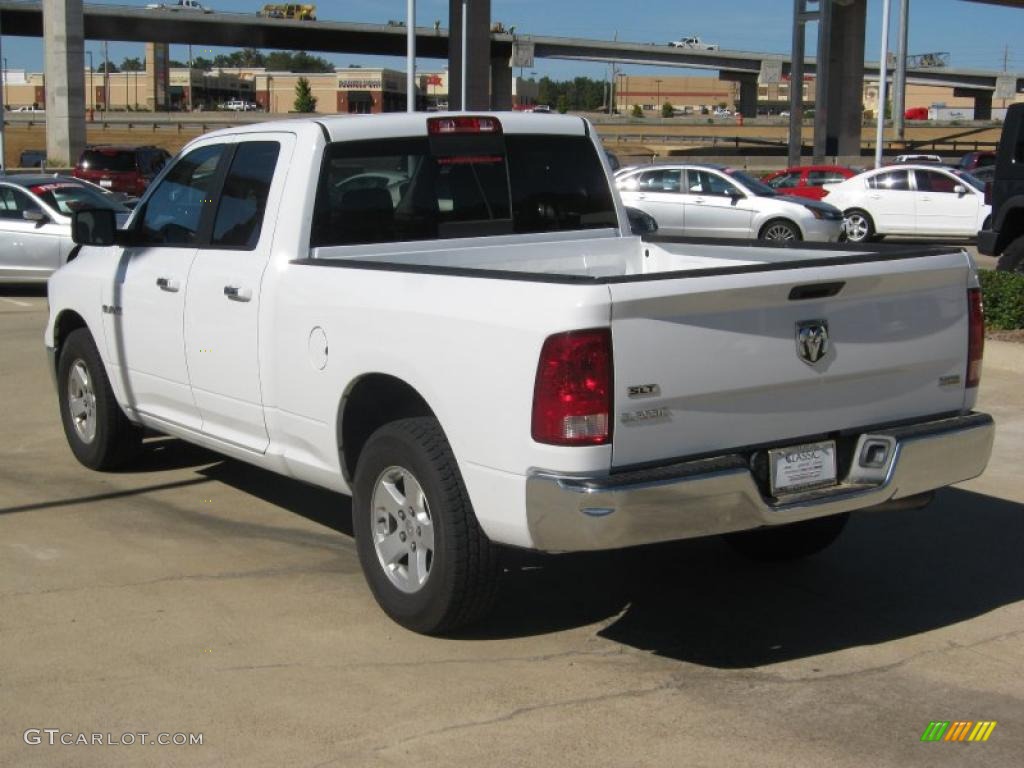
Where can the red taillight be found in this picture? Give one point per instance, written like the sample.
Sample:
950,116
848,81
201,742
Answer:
443,126
572,398
975,336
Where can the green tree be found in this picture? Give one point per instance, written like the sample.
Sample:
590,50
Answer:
636,111
202,63
133,64
563,104
107,66
300,61
305,101
667,110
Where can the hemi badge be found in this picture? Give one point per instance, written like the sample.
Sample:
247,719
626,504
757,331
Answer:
644,390
109,309
949,381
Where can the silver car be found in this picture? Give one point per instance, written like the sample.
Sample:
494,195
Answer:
35,223
714,201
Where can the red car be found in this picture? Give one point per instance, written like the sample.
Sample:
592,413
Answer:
121,169
807,181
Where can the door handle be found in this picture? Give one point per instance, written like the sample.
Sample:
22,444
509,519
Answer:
237,293
699,200
167,284
875,197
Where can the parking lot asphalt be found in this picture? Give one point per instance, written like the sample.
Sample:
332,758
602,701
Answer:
198,595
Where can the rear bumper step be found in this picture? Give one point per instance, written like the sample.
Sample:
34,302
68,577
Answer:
720,495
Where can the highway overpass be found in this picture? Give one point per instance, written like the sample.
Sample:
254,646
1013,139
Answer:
137,24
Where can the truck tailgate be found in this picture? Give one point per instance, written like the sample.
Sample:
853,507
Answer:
708,363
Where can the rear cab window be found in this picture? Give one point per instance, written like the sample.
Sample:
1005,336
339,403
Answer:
114,160
459,185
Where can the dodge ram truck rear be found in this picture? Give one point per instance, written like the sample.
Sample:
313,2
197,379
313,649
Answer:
447,318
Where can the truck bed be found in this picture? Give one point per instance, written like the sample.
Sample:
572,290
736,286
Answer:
609,259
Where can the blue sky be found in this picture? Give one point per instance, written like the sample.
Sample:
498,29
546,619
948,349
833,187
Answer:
974,34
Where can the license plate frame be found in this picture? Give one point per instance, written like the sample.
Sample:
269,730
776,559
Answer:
804,467
106,183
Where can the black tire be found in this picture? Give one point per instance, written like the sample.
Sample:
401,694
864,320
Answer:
780,230
862,234
1012,259
461,582
113,441
789,542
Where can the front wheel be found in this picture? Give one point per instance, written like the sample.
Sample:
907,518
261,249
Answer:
780,231
860,228
427,562
97,431
789,542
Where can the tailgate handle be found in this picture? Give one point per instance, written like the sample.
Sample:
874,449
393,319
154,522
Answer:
815,291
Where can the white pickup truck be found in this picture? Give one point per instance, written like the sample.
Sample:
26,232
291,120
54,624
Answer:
448,318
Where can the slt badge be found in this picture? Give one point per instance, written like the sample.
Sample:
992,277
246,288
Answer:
812,340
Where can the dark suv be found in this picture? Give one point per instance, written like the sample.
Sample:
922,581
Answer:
1005,193
121,169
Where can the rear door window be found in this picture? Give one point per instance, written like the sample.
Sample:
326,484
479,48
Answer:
893,181
664,180
394,190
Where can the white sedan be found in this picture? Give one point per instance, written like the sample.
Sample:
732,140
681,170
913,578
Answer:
922,200
713,201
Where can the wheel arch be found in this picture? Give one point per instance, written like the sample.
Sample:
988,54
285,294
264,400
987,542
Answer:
779,218
368,403
1009,223
67,320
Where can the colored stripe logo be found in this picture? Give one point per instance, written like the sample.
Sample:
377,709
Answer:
958,730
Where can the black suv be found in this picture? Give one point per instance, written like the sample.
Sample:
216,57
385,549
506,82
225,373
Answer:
1006,195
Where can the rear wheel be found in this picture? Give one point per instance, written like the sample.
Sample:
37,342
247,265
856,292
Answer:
860,228
780,230
789,542
97,431
1012,259
427,562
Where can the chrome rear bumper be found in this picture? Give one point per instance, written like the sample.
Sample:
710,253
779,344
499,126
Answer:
720,495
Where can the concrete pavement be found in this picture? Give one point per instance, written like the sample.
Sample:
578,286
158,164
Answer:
199,595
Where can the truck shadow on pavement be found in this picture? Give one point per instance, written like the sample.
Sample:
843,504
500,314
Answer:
888,576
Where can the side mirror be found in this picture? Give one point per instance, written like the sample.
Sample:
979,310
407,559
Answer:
641,223
734,194
35,215
960,189
94,226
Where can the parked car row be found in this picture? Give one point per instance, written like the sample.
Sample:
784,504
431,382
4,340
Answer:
922,199
35,222
703,200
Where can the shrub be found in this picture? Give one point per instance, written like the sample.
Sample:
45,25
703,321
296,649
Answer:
637,112
1003,293
667,110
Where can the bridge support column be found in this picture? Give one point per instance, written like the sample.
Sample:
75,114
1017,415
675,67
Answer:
982,101
501,82
63,56
478,54
838,105
747,103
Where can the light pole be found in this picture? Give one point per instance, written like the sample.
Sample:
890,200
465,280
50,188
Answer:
410,57
92,91
657,104
883,65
